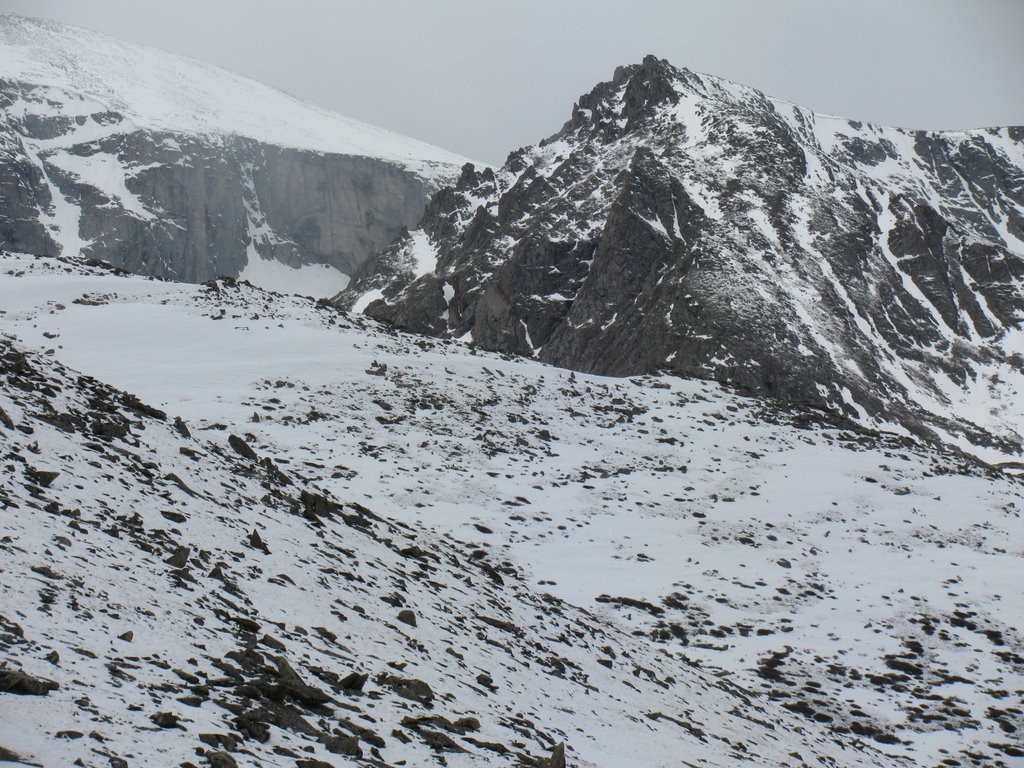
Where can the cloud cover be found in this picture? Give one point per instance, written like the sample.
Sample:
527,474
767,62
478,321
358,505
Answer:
481,77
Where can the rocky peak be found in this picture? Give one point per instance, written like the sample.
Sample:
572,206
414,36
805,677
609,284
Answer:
632,96
652,85
684,223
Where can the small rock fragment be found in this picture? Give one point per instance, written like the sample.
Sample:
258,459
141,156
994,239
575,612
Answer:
179,558
166,720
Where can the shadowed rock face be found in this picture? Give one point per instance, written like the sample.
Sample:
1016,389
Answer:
187,207
678,222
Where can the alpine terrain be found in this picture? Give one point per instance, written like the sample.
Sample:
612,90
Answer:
688,224
689,438
167,166
253,530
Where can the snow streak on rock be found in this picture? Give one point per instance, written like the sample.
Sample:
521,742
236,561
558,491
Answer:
680,222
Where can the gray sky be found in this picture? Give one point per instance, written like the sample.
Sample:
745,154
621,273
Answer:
481,77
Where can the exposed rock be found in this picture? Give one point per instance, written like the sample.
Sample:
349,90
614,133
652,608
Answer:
256,542
41,477
555,760
180,557
468,724
182,427
408,688
221,759
502,624
342,745
22,683
685,224
242,448
10,756
439,741
354,682
485,680
296,687
166,720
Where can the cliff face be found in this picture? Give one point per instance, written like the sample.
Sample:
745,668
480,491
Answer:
684,223
186,208
166,167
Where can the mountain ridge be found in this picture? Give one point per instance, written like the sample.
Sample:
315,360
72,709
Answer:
167,166
868,269
83,61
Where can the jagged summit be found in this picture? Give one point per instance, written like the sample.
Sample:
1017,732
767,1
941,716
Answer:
633,92
686,223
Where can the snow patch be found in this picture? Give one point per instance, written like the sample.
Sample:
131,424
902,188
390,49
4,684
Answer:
316,280
366,300
422,252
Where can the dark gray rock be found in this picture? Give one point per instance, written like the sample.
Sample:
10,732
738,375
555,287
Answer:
683,224
342,745
353,682
555,760
41,477
166,720
180,557
296,687
221,759
242,448
408,688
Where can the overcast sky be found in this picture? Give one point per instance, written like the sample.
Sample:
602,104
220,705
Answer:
482,77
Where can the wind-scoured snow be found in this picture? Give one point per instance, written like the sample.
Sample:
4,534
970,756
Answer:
683,575
316,280
165,92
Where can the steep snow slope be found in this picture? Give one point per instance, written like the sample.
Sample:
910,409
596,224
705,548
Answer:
167,166
166,93
681,222
659,569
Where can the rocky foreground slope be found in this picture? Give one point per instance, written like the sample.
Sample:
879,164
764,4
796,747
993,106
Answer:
307,540
683,223
166,166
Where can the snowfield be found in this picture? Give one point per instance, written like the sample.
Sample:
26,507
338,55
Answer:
650,571
161,91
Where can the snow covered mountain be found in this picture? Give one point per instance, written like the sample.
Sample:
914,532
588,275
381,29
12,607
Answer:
684,223
167,166
306,540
